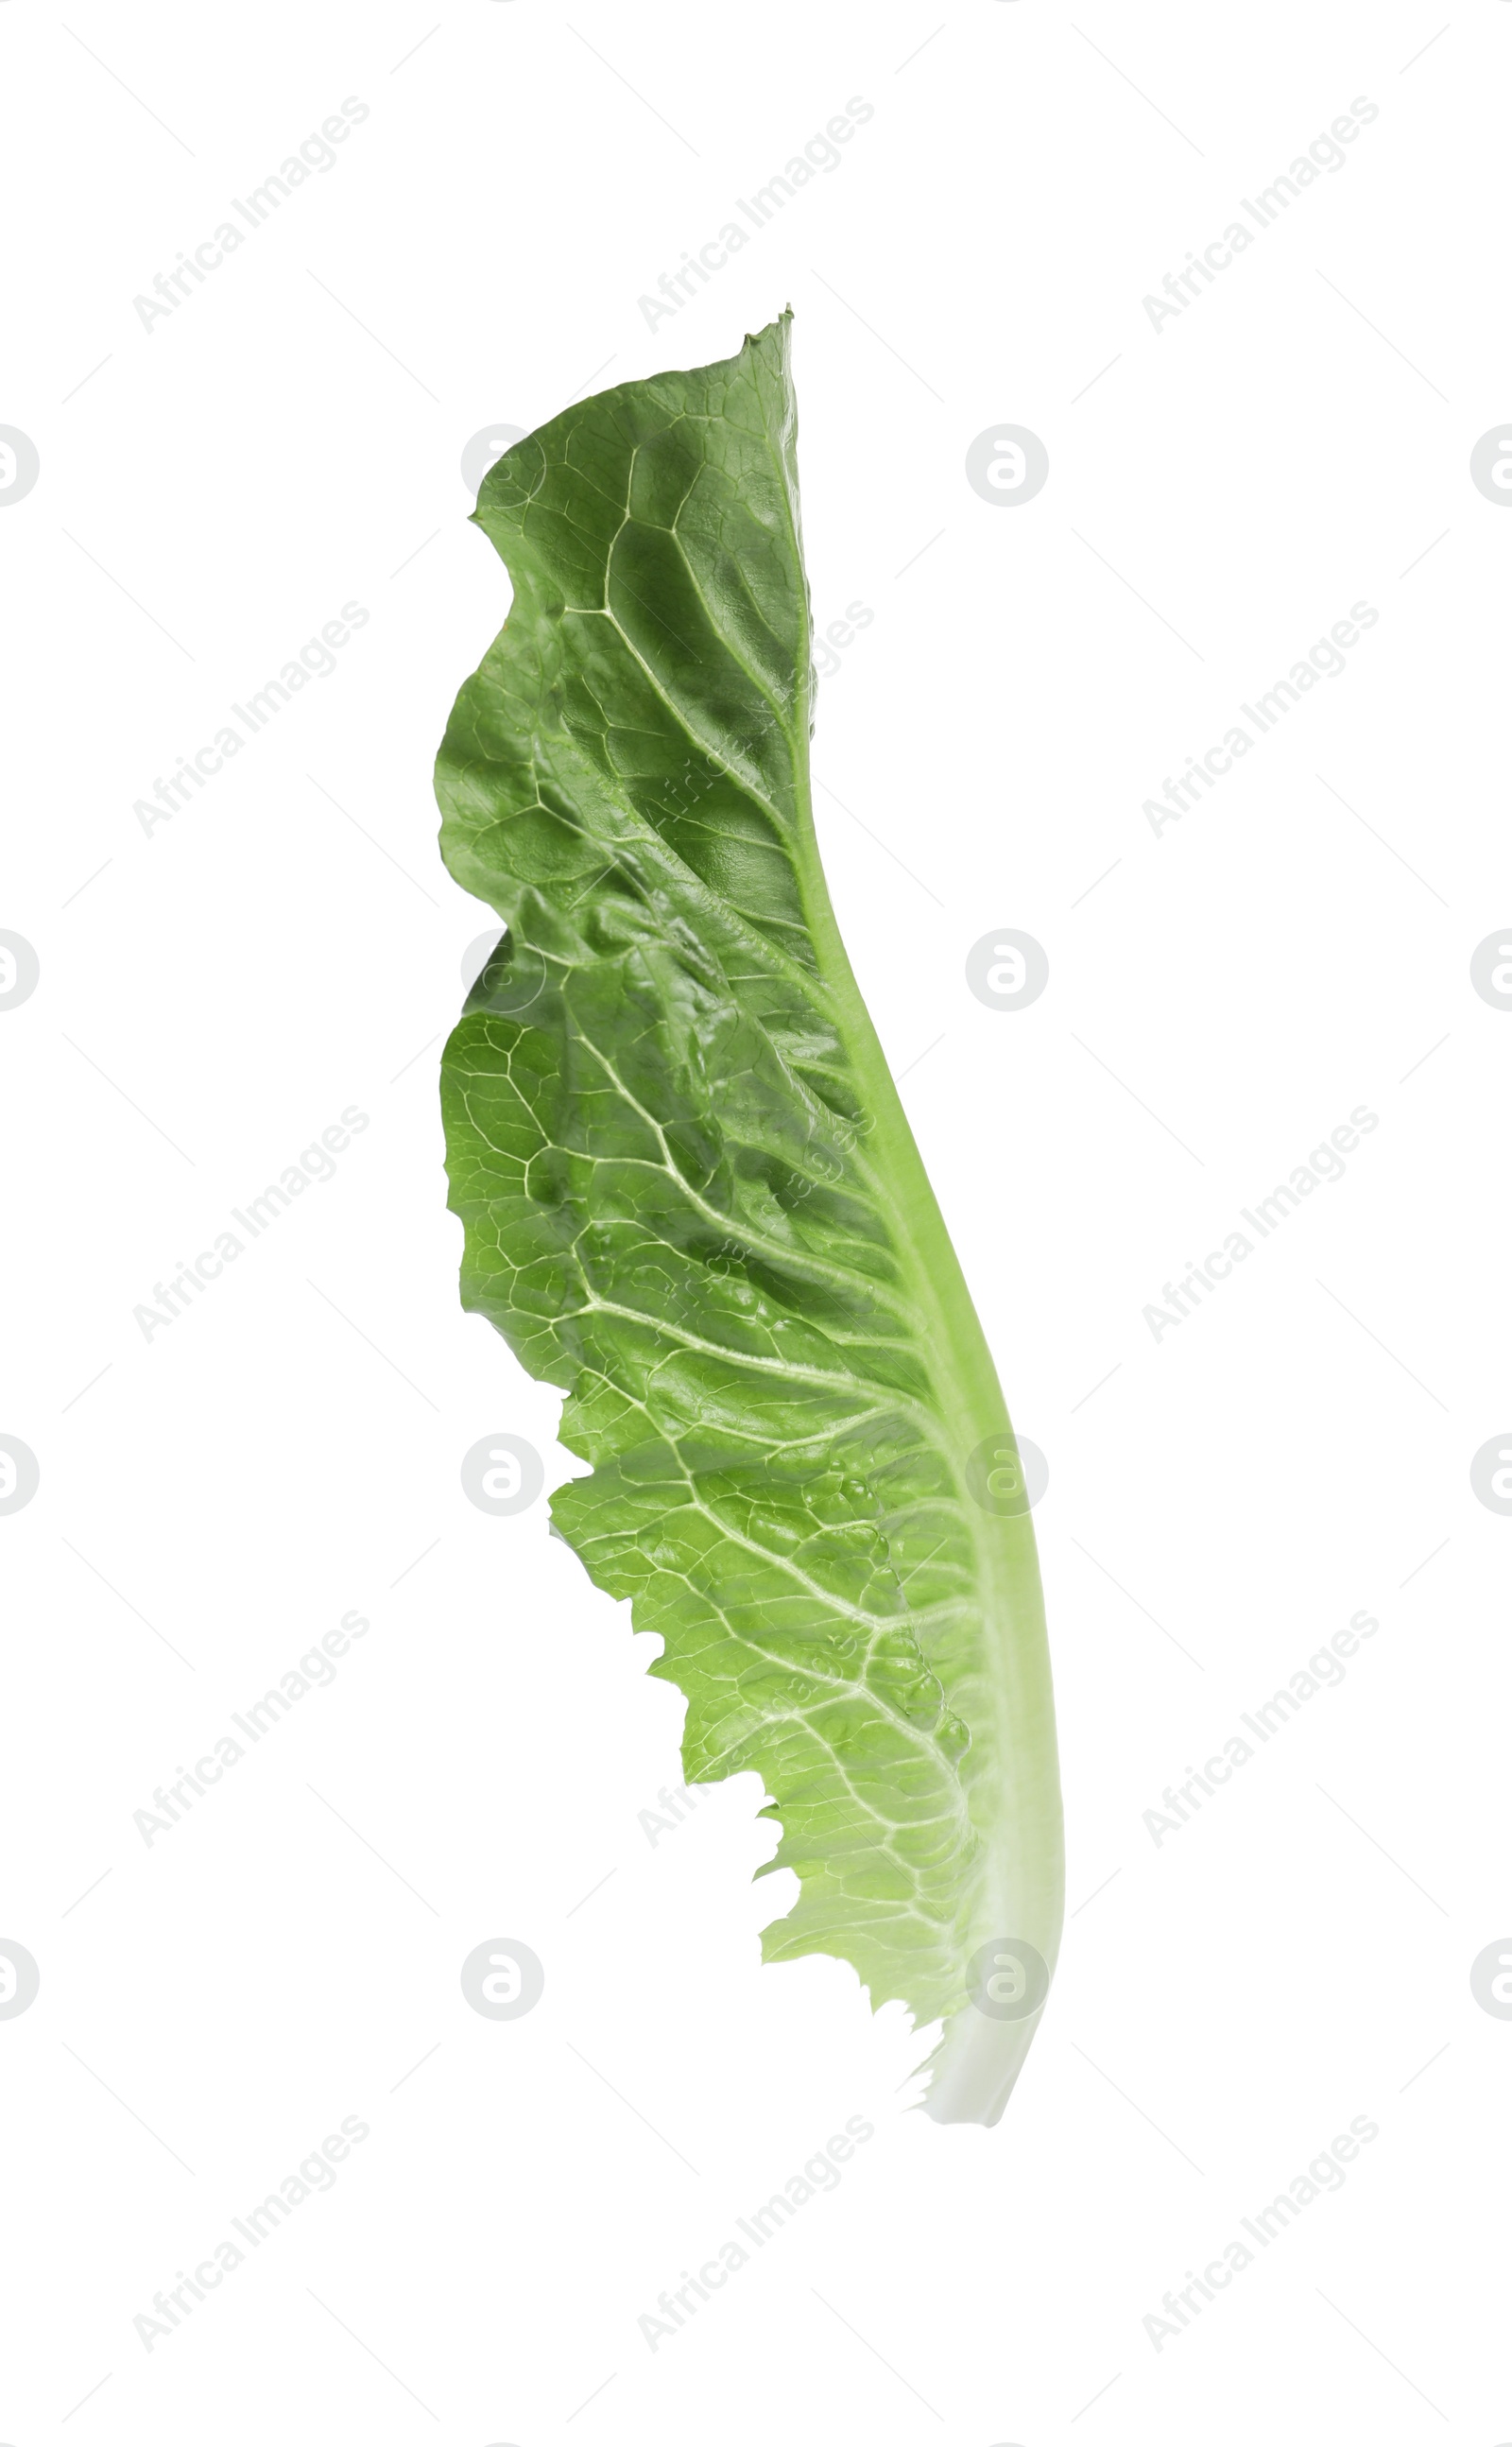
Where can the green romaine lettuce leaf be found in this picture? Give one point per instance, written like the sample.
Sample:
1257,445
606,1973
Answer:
691,1200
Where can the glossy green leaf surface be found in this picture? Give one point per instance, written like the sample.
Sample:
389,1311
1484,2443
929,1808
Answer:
692,1201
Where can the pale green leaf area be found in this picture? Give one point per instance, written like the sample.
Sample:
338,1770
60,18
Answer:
692,1201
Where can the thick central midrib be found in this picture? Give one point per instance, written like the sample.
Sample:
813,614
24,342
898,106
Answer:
1023,1850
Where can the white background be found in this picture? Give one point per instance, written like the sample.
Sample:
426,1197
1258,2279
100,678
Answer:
213,994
